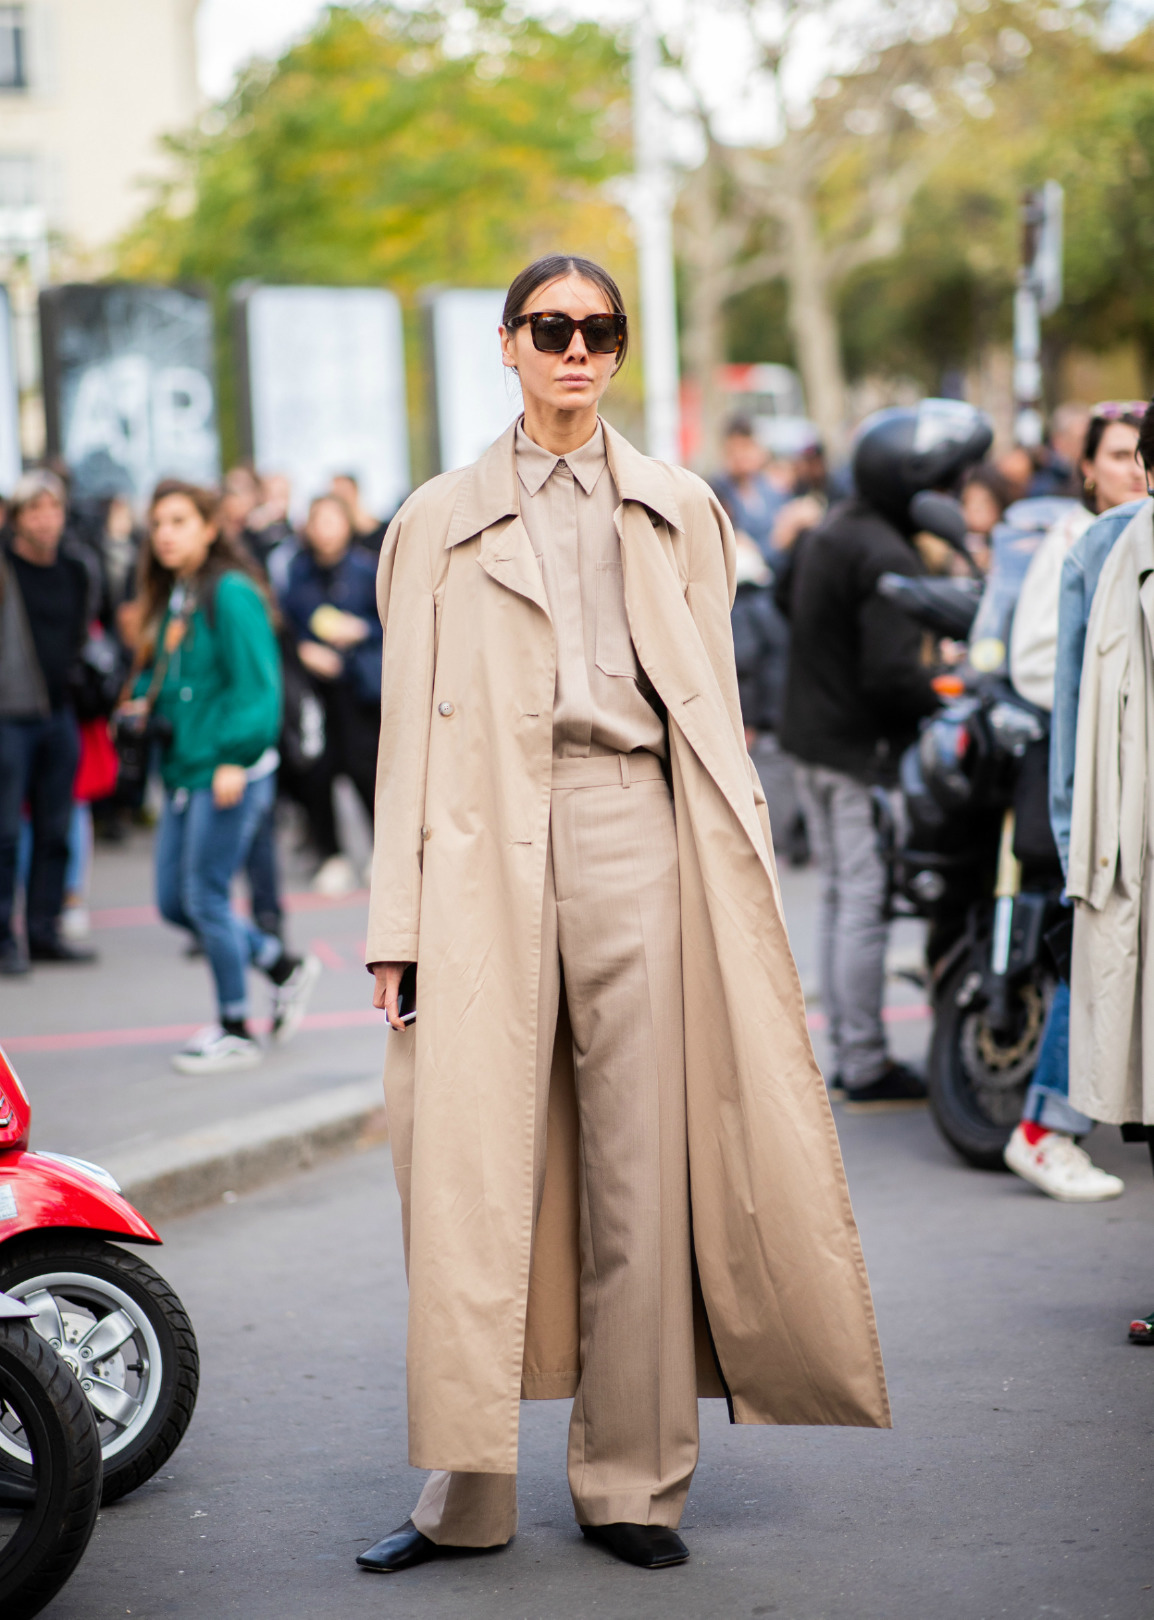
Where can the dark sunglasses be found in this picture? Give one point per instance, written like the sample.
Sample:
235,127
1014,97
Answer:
552,331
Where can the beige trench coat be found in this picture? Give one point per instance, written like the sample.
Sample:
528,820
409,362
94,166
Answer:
458,883
1111,876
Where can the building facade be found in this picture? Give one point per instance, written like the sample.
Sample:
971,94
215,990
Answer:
87,88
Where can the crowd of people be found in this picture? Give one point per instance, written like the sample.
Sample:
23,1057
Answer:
218,649
836,683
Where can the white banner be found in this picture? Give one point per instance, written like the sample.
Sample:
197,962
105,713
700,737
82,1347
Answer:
10,463
477,397
326,387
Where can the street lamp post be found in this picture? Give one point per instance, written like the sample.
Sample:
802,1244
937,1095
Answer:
652,209
1039,293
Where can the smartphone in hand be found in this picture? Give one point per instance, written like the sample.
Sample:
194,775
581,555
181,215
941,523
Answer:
407,995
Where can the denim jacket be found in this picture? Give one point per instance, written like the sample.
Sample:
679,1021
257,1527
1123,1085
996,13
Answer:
1080,573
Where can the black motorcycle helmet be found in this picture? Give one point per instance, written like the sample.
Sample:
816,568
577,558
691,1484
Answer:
900,451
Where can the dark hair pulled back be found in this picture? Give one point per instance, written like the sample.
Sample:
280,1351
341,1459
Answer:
553,267
1146,438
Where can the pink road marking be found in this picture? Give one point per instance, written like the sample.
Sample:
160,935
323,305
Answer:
907,1013
161,1034
138,916
326,955
353,1018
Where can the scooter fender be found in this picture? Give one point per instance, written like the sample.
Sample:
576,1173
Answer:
42,1191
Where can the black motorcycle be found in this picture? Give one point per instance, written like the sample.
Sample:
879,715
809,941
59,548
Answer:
975,856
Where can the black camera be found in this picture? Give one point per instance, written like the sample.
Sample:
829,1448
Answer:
135,737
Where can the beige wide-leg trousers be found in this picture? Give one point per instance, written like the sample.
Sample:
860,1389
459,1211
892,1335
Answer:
612,944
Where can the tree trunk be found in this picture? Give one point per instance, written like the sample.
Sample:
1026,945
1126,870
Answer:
813,319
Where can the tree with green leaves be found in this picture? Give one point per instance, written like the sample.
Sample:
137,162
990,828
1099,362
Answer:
403,148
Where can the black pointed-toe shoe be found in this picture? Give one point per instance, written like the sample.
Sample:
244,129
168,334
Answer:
402,1549
649,1546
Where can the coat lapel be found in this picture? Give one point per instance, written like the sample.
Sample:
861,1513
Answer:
488,505
668,642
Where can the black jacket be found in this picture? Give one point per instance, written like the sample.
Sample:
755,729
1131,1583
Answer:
857,686
761,648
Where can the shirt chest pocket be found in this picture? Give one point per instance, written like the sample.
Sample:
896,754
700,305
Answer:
613,645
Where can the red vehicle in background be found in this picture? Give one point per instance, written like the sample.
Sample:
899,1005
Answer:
107,1314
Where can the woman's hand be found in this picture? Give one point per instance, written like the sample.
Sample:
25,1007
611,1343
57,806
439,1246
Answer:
348,631
228,785
321,661
388,984
130,710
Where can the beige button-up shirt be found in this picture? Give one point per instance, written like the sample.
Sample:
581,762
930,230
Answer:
567,507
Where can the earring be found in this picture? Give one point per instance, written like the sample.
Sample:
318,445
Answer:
1089,485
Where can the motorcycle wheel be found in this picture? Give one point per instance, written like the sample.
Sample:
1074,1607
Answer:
46,1514
126,1336
977,1079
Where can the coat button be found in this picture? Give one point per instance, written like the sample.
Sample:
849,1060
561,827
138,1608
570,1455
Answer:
1105,860
426,832
445,708
186,694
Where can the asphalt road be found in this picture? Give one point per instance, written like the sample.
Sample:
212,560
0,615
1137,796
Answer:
1016,1481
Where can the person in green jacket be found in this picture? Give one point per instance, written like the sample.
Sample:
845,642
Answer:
210,676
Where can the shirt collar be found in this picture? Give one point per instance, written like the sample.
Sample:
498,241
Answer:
535,464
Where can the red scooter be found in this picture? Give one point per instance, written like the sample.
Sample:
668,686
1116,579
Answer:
107,1314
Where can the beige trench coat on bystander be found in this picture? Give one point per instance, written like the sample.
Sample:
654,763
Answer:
1111,875
462,834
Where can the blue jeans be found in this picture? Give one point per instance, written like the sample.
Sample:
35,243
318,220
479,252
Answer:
263,873
38,760
1048,1099
199,850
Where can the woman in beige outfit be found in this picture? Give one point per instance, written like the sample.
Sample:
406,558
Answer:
619,1175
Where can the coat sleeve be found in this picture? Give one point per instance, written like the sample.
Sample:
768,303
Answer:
1071,644
249,714
405,602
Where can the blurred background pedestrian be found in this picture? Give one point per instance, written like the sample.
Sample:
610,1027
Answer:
44,613
330,606
209,674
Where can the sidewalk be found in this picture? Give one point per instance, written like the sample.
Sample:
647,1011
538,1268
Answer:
92,1044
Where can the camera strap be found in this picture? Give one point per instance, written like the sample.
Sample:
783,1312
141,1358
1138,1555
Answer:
182,605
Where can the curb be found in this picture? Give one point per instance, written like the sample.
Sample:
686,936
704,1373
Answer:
183,1173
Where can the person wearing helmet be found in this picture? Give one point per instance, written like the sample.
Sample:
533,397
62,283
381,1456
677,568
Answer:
856,692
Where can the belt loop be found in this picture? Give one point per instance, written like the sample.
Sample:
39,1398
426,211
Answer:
624,758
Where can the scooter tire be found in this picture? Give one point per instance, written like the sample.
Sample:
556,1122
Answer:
39,1557
979,1140
23,1260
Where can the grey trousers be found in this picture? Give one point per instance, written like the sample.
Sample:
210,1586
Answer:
777,771
611,944
853,928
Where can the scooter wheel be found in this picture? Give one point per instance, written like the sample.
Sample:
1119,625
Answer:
126,1336
48,1512
977,1078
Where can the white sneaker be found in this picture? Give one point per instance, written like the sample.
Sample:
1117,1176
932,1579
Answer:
336,877
290,999
213,1051
75,924
1056,1165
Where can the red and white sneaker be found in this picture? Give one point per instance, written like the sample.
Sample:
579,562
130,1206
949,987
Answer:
1142,1330
1057,1166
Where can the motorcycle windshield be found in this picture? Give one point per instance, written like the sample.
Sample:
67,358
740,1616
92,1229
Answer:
1014,541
